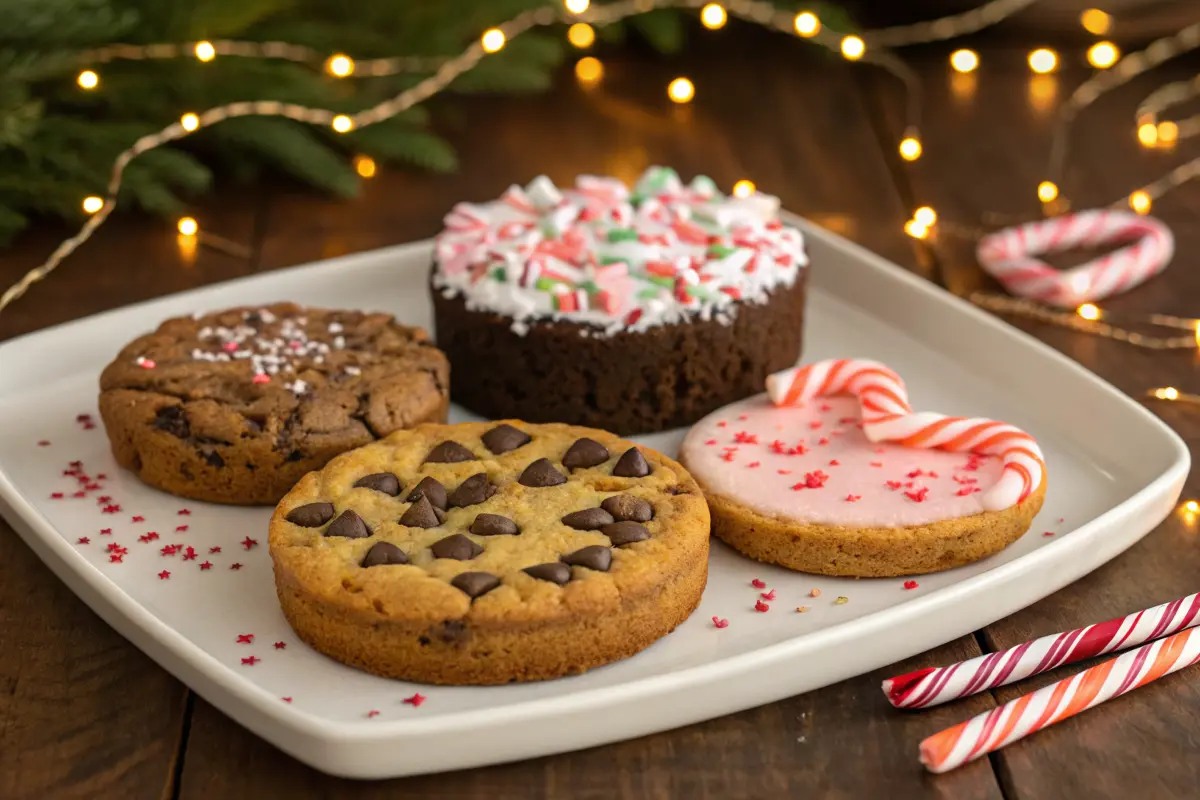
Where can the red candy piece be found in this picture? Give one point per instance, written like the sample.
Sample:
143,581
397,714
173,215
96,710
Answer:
718,622
416,700
761,607
911,584
768,595
757,584
164,575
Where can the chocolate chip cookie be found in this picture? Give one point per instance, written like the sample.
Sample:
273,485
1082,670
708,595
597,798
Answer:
490,552
237,405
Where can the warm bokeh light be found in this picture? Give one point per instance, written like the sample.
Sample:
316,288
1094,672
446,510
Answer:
189,121
1139,201
925,215
1191,506
187,226
853,48
92,204
1169,393
1089,312
205,51
1043,60
1147,134
713,16
915,229
744,188
577,6
807,24
342,124
1047,191
910,148
589,70
581,35
88,79
1103,55
340,66
493,39
1168,132
681,90
364,166
1095,21
964,60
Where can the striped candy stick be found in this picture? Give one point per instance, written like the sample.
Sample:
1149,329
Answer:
888,417
930,687
1017,719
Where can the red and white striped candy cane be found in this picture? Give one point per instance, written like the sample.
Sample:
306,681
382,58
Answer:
1018,718
931,687
888,417
1010,255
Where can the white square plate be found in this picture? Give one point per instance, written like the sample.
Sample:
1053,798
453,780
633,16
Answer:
1115,471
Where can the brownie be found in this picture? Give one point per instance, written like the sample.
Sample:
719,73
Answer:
236,406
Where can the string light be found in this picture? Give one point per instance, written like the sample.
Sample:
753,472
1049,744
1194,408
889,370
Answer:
744,188
577,6
1168,393
342,124
340,66
1168,132
589,70
713,16
493,39
964,60
92,204
187,226
910,148
189,121
1043,61
807,24
853,48
1095,21
88,80
205,51
1191,506
925,215
1047,191
1089,312
364,166
915,229
1103,55
1147,134
1139,201
681,90
581,35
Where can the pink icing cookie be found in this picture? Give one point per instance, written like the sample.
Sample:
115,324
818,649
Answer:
813,479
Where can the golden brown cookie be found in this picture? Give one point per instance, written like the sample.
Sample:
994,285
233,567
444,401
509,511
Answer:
490,552
238,405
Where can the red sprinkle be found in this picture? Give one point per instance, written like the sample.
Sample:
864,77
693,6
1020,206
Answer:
720,623
835,463
235,565
102,499
722,424
280,645
214,549
106,531
919,495
138,518
768,595
711,442
824,440
181,528
728,455
110,509
206,565
876,463
848,420
189,554
79,494
812,480
1048,533
43,443
83,540
101,477
966,490
916,473
784,471
742,437
753,464
245,638
286,699
56,495
248,543
816,423
116,558
911,584
148,537
170,550
761,607
825,407
757,584
162,576
416,700
252,660
372,713
894,485
853,498
183,512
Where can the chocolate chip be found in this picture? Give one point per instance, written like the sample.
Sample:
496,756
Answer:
441,515
384,482
473,584
585,453
678,490
420,514
594,556
473,490
431,488
173,420
631,464
504,438
555,572
588,519
383,553
312,515
493,525
626,532
213,459
349,526
449,452
628,507
294,456
541,473
456,546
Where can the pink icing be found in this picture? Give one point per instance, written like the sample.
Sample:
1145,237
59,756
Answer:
812,463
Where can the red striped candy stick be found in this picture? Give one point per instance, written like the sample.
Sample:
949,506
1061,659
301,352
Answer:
1017,719
931,687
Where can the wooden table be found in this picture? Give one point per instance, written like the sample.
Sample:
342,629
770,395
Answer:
85,714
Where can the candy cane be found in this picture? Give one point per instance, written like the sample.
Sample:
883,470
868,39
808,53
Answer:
888,417
1018,718
931,687
1010,256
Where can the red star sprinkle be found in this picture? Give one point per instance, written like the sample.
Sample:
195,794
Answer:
911,584
189,554
728,455
56,495
753,465
43,443
206,565
816,423
834,463
931,474
812,480
768,595
778,446
853,498
106,531
101,477
916,473
718,622
286,699
966,490
876,463
235,565
919,495
170,550
245,638
1048,533
757,584
784,471
250,661
214,549
102,499
79,494
711,442
148,537
116,558
91,487
113,547
248,543
181,528
761,607
848,420
742,437
75,464
824,440
164,575
372,713
83,540
111,509
183,512
722,424
280,645
743,417
893,485
89,425
418,698
138,518
1062,519
82,417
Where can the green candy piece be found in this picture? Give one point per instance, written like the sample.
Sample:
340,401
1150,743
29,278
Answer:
661,280
720,250
702,184
648,294
653,181
500,274
622,235
545,284
606,260
699,292
589,286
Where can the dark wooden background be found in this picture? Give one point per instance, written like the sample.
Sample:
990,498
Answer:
85,714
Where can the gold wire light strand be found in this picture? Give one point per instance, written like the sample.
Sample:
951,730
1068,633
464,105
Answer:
1029,309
